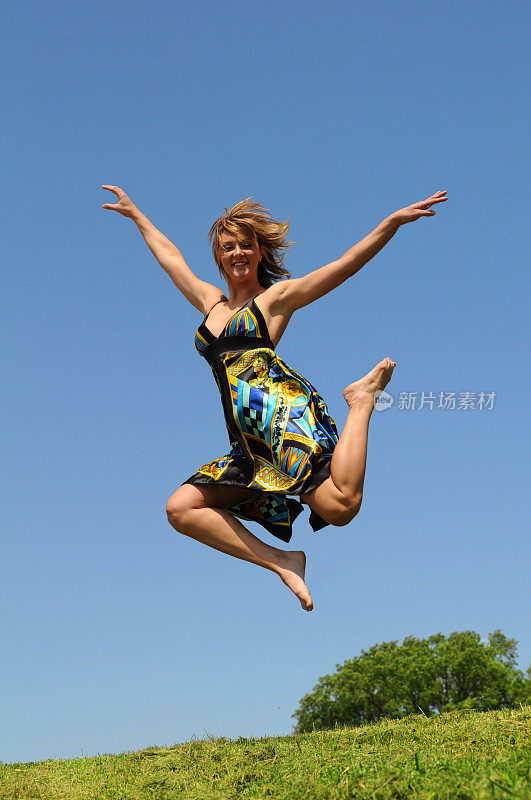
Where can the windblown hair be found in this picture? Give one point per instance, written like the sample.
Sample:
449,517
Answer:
248,218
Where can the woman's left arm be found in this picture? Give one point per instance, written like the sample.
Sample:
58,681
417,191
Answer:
299,292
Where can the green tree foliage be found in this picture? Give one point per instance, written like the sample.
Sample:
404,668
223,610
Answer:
441,673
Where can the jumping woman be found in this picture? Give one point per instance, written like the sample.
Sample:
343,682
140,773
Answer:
282,438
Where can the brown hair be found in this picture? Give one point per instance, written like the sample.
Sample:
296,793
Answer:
249,218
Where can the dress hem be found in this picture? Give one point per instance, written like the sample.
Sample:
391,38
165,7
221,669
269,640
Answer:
319,474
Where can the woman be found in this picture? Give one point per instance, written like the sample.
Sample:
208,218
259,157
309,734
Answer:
283,440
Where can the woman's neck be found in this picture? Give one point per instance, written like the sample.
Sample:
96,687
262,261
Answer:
242,294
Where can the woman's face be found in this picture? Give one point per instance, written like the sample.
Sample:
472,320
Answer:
240,254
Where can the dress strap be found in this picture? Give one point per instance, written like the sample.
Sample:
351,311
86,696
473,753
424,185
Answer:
215,304
248,303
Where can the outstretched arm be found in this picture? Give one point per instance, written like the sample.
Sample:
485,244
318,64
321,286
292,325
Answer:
200,293
298,292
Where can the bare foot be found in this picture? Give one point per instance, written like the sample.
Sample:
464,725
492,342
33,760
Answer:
292,573
365,389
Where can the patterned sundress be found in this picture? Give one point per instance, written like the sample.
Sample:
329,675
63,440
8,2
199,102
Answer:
280,432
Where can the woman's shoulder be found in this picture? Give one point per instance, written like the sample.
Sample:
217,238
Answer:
271,299
274,310
212,298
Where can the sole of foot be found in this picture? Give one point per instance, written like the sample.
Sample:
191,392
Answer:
374,381
292,574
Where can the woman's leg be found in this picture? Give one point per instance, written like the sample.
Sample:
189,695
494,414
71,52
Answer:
338,499
199,512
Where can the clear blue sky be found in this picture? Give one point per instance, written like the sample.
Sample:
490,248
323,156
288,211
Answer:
118,632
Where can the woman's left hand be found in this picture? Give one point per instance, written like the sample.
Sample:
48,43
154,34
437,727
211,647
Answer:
421,209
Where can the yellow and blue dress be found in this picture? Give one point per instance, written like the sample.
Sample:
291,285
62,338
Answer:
280,432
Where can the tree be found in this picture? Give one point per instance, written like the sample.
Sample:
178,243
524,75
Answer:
427,675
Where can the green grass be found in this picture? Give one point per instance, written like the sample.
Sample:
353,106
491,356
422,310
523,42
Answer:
457,756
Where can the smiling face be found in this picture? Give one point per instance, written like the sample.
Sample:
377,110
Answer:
239,254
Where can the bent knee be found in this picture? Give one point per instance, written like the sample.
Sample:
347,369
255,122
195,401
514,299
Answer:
175,511
346,511
180,504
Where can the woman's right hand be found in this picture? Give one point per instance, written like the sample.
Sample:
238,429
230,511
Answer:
124,206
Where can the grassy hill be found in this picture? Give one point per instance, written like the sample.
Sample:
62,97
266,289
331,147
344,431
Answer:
457,756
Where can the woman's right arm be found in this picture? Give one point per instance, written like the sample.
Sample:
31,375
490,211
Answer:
202,295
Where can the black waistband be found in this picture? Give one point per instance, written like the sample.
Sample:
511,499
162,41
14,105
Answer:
236,344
